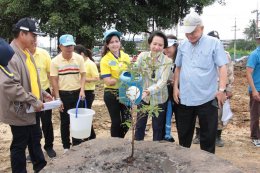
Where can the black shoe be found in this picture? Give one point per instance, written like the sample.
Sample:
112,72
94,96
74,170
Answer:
196,140
50,152
28,159
171,139
219,142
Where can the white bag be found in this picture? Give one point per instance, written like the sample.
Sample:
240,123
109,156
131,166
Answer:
227,113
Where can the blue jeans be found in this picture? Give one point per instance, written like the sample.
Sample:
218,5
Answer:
168,124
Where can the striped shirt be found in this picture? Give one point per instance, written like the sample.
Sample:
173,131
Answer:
68,71
155,76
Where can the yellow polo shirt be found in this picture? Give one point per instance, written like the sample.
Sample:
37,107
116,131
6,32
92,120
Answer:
43,60
113,67
33,75
91,72
68,71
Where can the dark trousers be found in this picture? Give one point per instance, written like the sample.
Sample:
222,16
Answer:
47,128
118,112
90,97
69,99
254,118
158,123
24,136
208,120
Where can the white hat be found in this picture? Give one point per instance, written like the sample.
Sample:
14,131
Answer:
172,42
190,22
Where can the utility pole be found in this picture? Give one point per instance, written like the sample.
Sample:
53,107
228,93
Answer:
235,37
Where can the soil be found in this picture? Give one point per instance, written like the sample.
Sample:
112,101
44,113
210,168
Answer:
237,150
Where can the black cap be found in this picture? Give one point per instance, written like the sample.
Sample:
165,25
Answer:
6,52
27,24
214,34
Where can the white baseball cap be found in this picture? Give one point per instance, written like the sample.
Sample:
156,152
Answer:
190,22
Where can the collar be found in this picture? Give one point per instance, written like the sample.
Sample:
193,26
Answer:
110,54
199,41
63,59
159,56
36,51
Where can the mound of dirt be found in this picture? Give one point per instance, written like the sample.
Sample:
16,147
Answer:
109,155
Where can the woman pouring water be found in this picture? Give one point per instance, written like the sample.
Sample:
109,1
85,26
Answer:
113,62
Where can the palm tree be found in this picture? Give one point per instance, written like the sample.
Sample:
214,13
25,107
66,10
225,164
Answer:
252,31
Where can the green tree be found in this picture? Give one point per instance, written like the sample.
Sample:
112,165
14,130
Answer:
87,19
252,31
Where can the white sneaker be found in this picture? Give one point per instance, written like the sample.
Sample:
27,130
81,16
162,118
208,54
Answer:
65,151
256,142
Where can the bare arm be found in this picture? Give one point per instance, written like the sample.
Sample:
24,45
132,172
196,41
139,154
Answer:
109,81
55,86
92,79
82,85
222,84
255,93
176,92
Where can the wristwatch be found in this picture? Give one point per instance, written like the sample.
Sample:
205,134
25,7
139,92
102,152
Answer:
222,89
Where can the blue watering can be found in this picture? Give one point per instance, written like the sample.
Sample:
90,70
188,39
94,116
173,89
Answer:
131,89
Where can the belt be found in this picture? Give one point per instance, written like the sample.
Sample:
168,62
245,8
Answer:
69,92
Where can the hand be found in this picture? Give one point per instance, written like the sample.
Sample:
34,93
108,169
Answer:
61,108
176,95
145,94
221,96
39,106
52,92
82,95
256,95
229,94
47,97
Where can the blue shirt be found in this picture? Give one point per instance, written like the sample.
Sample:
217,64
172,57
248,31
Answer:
199,69
254,63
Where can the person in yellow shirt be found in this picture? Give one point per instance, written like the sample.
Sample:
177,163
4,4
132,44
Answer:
68,75
43,60
21,93
92,76
113,62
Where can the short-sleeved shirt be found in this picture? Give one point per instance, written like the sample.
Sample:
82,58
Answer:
43,60
157,84
254,63
68,71
91,71
199,69
110,66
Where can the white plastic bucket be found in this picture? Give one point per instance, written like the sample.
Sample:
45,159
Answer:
80,124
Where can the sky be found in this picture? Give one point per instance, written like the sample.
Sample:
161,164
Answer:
216,17
222,18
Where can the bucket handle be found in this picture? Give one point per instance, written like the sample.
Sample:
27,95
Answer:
77,106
